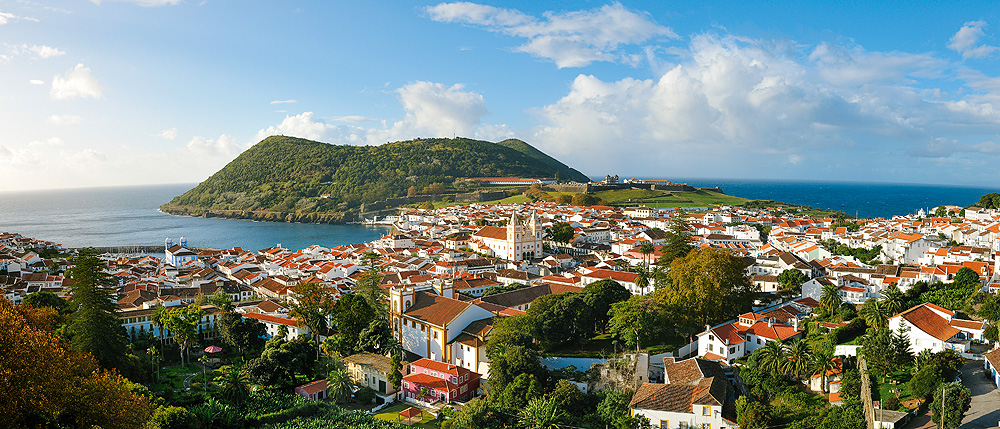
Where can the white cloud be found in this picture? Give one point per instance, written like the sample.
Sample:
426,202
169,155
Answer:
40,51
168,134
224,146
569,39
65,119
146,3
283,102
732,103
966,41
77,82
436,110
7,17
36,82
430,110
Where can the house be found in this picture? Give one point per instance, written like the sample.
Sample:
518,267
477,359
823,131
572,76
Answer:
934,328
371,370
426,321
702,404
625,278
273,324
313,391
443,382
733,340
992,365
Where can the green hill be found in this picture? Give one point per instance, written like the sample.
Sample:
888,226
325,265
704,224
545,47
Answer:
566,173
293,179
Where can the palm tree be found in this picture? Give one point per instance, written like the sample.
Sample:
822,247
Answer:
823,362
799,358
641,279
339,385
541,413
893,299
646,248
875,314
773,357
831,300
234,383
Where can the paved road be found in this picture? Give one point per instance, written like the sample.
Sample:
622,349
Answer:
985,409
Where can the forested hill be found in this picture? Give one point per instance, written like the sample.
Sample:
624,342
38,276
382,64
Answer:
286,178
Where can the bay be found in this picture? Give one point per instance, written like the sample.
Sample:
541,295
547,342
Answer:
128,216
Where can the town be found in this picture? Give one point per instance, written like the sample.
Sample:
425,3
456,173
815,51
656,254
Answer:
542,314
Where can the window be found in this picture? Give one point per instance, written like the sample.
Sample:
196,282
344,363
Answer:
711,338
435,335
758,341
706,426
421,328
683,425
664,424
732,350
706,411
710,348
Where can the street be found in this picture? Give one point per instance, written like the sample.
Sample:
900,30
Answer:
985,409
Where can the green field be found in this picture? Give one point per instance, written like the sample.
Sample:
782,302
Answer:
389,414
668,199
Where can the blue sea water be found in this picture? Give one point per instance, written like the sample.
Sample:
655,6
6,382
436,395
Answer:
860,199
128,216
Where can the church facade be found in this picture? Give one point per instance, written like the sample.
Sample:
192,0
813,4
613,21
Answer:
518,241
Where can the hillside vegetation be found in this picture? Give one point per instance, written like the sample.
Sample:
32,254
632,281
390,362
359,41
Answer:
285,178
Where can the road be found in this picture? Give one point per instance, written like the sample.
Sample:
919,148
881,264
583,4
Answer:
985,409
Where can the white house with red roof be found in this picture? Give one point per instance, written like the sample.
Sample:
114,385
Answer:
625,278
425,320
273,324
733,340
935,328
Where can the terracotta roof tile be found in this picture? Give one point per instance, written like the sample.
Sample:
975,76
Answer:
435,309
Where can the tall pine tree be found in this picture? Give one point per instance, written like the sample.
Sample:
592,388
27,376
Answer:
94,326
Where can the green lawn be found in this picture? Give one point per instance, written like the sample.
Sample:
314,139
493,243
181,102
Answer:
172,378
389,414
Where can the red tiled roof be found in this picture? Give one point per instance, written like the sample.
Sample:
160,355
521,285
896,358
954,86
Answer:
494,232
316,386
435,309
272,319
930,322
966,324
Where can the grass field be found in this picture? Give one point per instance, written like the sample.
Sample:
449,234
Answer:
389,414
665,199
516,199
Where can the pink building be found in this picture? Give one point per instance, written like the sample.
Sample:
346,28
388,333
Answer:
444,382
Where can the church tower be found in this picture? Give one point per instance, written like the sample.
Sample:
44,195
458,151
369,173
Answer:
535,225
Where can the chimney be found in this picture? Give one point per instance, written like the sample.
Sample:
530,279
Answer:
795,323
770,322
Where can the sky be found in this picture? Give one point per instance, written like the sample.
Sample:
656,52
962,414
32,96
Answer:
128,92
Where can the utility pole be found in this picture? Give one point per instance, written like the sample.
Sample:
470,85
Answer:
944,391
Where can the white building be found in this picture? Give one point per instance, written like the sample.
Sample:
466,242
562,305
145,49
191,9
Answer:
515,242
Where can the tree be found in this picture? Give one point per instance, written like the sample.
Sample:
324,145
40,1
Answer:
941,211
561,319
170,417
541,413
875,314
222,300
773,357
313,303
234,383
519,392
339,385
511,361
244,334
94,326
640,321
646,248
711,284
925,381
47,382
585,200
677,243
369,282
830,299
561,232
989,201
182,322
281,360
412,191
46,299
351,316
791,282
823,361
966,276
893,299
800,359
601,295
568,397
751,414
951,401
395,375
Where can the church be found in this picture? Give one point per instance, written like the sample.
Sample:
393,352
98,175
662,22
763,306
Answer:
515,242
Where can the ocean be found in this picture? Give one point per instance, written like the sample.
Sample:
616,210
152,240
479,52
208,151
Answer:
128,216
855,199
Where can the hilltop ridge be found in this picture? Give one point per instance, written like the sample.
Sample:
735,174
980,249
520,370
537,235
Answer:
293,179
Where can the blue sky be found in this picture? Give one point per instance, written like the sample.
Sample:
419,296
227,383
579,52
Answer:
116,92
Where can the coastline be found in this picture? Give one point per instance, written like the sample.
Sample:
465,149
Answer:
327,218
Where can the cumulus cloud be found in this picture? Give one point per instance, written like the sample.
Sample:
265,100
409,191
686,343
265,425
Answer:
65,119
569,39
430,110
224,146
733,102
36,82
966,41
168,134
77,82
283,102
